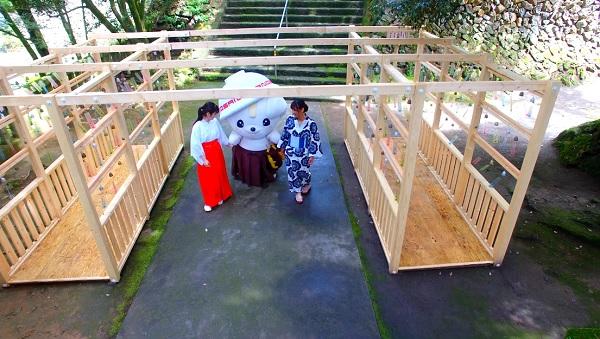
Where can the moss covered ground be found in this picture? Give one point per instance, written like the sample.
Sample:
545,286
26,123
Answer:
566,244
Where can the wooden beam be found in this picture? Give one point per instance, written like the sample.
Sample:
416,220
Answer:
248,43
129,64
535,143
471,137
410,163
85,198
247,31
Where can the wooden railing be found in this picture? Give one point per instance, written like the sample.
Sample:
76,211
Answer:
480,205
32,213
123,220
172,138
151,175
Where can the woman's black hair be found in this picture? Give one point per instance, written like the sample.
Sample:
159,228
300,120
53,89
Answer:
299,103
208,107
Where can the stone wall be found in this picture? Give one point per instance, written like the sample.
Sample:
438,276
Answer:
538,38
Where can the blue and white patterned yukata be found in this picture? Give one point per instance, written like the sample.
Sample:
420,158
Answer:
300,142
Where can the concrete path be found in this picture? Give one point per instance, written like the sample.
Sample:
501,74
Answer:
258,266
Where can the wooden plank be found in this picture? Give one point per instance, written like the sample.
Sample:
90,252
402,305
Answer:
35,214
11,231
68,178
410,156
20,227
58,189
247,31
109,228
437,235
235,43
80,182
28,221
63,183
10,162
8,250
508,223
483,211
130,64
41,207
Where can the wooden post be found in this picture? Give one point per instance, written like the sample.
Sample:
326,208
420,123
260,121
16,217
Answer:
119,120
410,163
470,143
171,78
154,117
79,179
417,71
533,149
438,110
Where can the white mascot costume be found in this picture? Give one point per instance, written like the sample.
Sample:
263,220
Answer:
253,122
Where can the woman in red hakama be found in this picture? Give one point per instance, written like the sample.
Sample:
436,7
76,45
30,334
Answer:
206,140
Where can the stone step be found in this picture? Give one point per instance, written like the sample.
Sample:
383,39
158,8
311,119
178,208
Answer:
284,50
246,24
275,18
322,70
294,11
297,3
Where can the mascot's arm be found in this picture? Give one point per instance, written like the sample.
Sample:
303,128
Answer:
274,137
234,138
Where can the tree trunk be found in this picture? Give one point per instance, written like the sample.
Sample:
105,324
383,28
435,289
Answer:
115,10
126,18
137,14
18,32
32,26
101,17
64,18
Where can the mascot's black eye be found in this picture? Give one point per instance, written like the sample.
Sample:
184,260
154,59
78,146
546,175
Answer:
266,122
240,123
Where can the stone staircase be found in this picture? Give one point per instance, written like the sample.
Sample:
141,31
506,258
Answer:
267,13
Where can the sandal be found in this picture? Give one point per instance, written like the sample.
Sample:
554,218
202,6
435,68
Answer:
307,191
299,199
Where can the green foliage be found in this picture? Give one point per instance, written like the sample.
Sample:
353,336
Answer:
188,16
583,333
415,13
147,244
580,146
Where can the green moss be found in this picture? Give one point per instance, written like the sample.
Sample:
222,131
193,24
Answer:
474,307
584,225
147,244
580,146
572,236
384,330
583,333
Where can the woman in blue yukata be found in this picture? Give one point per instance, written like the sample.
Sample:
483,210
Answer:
301,144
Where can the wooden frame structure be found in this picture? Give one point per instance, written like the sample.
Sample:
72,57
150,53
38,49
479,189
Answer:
483,219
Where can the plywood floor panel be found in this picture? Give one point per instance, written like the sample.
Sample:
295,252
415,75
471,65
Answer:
436,233
69,251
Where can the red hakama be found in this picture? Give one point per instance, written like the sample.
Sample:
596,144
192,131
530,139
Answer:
213,180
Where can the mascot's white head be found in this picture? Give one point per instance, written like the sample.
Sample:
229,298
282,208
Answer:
253,119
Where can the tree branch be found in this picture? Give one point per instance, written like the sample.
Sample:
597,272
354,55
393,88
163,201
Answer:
101,17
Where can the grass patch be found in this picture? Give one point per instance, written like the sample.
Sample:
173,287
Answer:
475,307
384,330
147,244
583,333
572,237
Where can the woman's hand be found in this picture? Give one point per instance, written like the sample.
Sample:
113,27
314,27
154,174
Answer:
311,160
